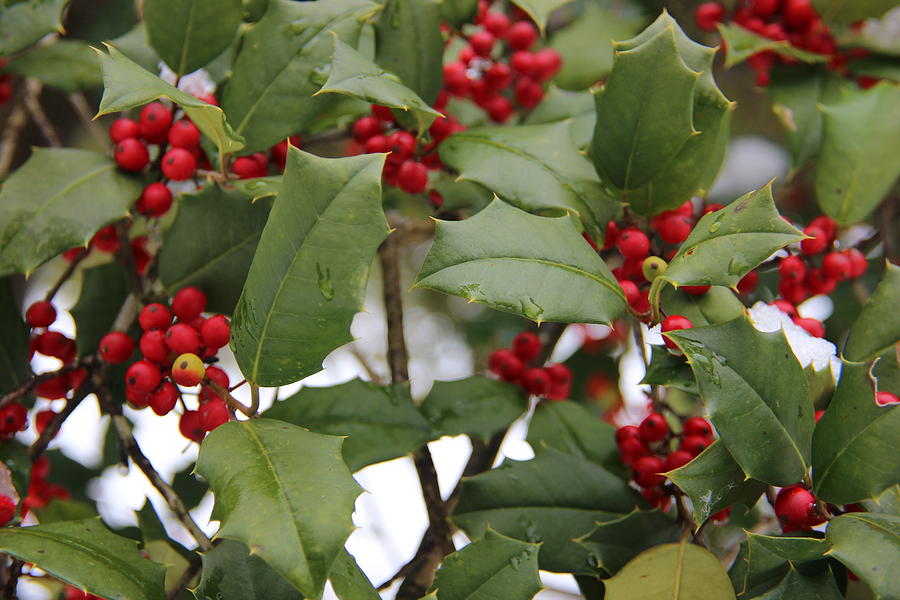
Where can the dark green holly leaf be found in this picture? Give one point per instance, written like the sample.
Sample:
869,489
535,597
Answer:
851,438
754,389
64,510
154,532
727,244
294,514
800,586
127,85
714,481
840,11
877,328
103,291
380,422
575,107
677,571
869,545
348,580
554,498
536,267
857,165
89,556
187,34
211,244
540,10
887,503
14,456
135,45
14,336
57,200
458,12
282,63
306,283
67,65
741,44
536,168
616,542
409,44
354,75
670,370
477,406
259,187
644,112
764,563
232,572
794,549
189,488
493,566
25,22
717,305
571,428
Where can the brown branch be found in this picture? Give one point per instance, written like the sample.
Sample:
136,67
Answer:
232,402
41,378
70,269
85,115
15,123
52,428
33,89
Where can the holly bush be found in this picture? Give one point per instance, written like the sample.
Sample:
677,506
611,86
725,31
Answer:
220,187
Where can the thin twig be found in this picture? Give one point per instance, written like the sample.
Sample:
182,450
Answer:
52,428
41,378
33,89
232,402
12,130
83,110
70,269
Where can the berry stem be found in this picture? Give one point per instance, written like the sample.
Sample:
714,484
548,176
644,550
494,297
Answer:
232,402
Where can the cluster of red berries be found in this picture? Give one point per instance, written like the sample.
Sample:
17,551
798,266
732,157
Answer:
648,450
552,382
107,240
6,90
793,21
153,380
485,70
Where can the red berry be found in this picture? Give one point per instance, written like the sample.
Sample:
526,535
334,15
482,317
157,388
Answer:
456,80
523,62
765,8
155,120
697,426
798,14
677,459
792,268
376,143
535,381
499,109
816,243
819,283
7,510
836,265
122,129
675,228
40,314
654,428
248,167
155,200
559,374
53,343
794,506
106,240
153,346
188,303
858,263
626,432
506,365
42,419
785,307
708,15
631,449
215,332
164,398
527,346
155,316
412,177
497,23
213,414
54,389
633,243
826,224
884,398
143,376
695,290
184,134
646,471
547,63
694,444
813,327
181,338
116,347
190,427
365,127
179,164
748,282
137,398
13,418
131,154
482,43
521,35
632,294
217,375
672,323
528,92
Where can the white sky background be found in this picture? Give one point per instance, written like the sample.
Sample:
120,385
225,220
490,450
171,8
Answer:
390,516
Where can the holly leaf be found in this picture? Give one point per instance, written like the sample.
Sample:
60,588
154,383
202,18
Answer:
877,328
380,422
644,112
67,65
764,564
571,428
727,244
742,43
616,542
135,45
306,282
493,566
57,200
754,389
536,168
869,545
259,187
714,481
103,291
14,456
293,514
232,572
354,75
843,12
540,10
409,44
25,22
678,571
857,165
576,108
89,556
668,369
476,406
187,34
281,64
849,439
14,340
718,305
348,580
554,498
797,585
127,85
211,244
536,267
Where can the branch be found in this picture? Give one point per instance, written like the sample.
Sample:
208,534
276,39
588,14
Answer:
12,130
52,428
33,89
38,379
70,269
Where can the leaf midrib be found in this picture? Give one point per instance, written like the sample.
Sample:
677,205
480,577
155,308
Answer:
187,36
